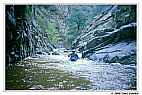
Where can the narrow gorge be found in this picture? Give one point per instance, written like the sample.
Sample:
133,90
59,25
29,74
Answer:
40,38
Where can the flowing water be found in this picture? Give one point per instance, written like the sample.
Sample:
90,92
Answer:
55,72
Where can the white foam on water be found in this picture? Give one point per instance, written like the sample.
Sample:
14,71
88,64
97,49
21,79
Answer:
103,76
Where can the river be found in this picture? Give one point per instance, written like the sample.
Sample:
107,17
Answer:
55,72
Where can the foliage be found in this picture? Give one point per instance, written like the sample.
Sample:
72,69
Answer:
28,11
48,25
53,33
79,17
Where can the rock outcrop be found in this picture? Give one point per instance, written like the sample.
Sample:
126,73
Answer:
109,38
23,34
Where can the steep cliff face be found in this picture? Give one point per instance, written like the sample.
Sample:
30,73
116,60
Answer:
111,36
23,35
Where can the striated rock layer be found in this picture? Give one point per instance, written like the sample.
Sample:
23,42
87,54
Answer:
111,36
